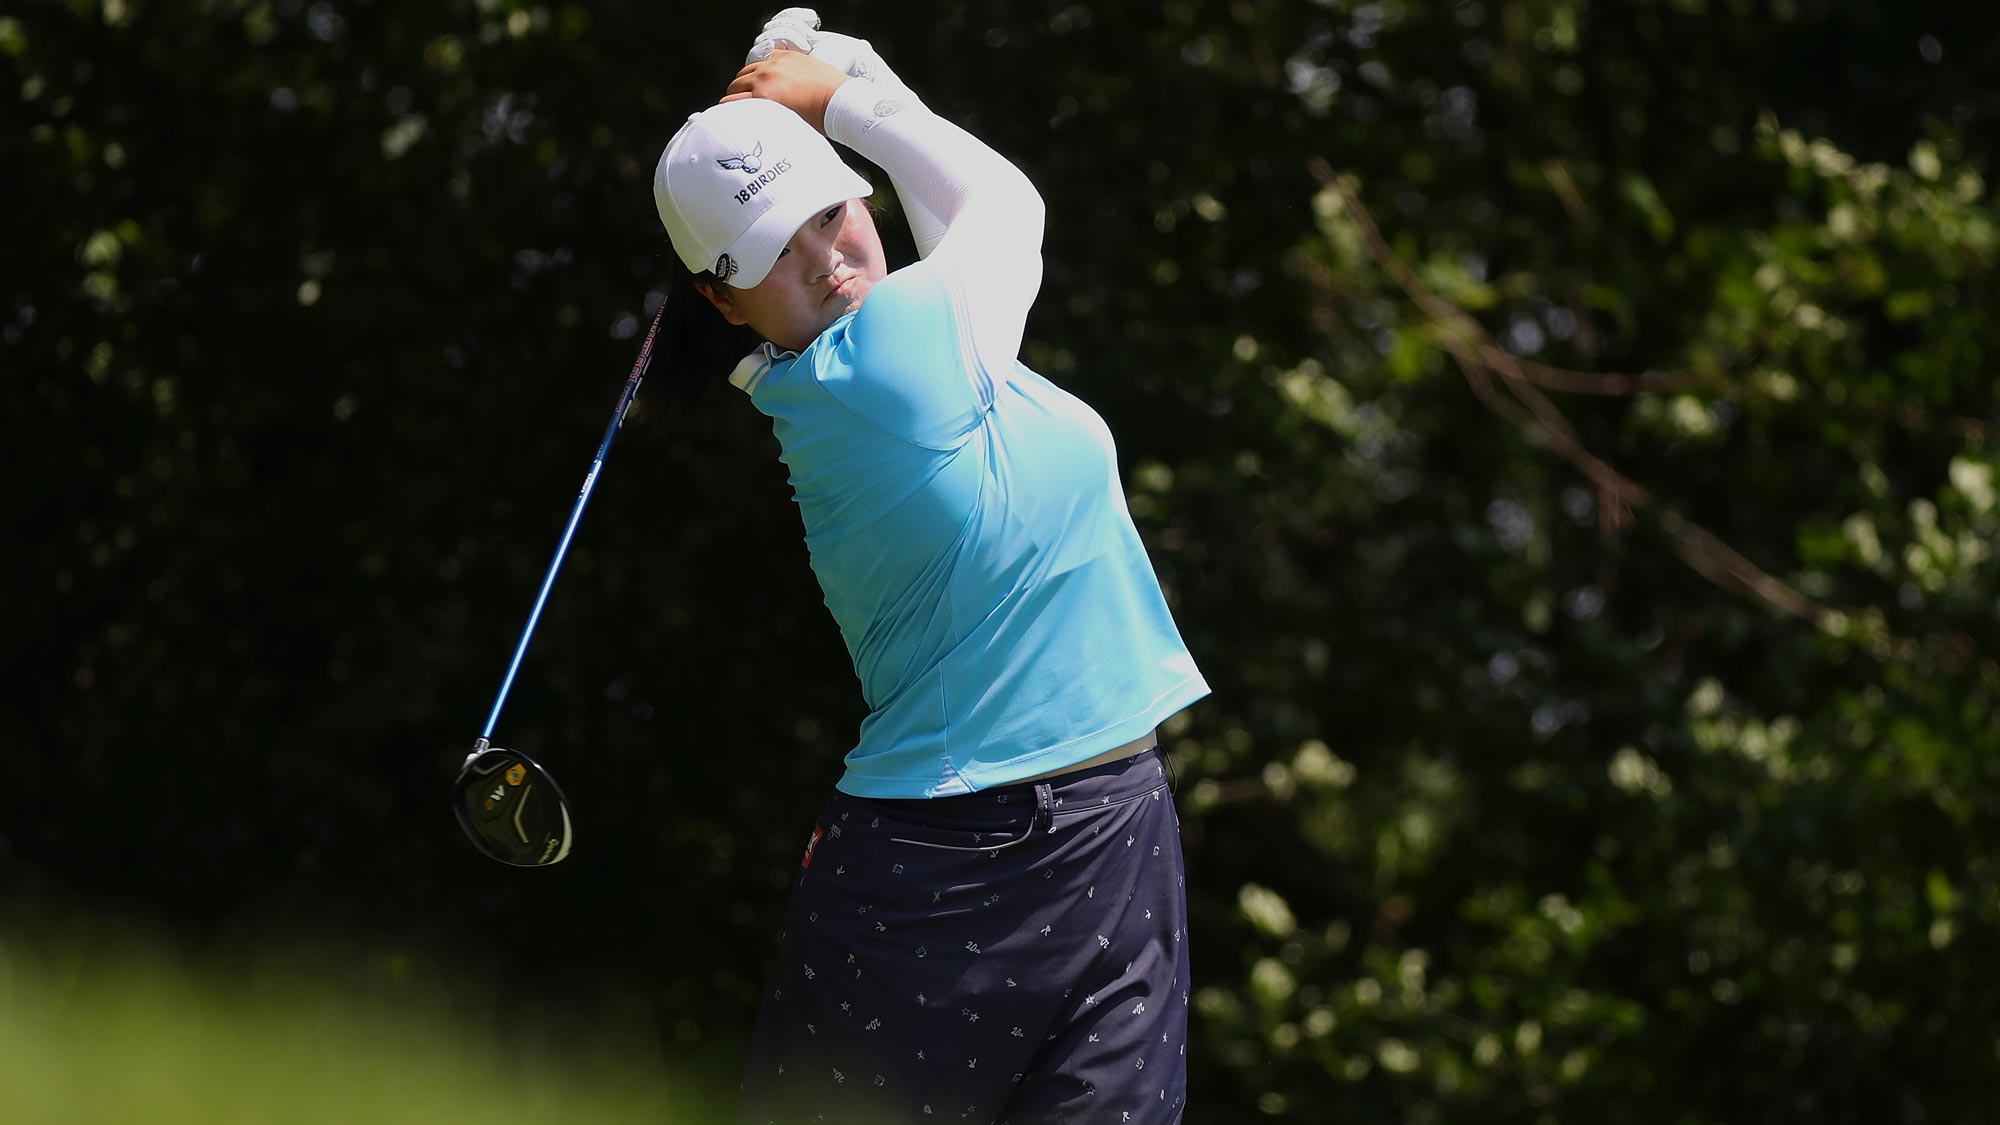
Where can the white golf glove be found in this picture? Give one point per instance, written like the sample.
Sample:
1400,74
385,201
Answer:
797,29
794,29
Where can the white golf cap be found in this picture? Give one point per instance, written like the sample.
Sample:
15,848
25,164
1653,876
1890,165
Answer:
738,181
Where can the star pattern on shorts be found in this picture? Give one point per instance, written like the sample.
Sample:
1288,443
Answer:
845,920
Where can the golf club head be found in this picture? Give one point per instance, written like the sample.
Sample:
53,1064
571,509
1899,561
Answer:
511,808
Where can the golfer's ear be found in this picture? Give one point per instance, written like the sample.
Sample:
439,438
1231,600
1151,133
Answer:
719,296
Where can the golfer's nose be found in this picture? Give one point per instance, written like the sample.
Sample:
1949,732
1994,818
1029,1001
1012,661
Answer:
830,259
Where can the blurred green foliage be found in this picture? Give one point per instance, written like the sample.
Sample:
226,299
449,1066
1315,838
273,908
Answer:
1566,431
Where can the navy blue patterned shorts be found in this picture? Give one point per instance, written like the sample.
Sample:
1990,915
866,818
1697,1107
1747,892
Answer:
1015,956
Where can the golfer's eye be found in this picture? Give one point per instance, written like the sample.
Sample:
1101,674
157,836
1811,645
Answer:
829,216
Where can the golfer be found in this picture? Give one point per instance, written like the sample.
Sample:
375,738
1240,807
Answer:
989,921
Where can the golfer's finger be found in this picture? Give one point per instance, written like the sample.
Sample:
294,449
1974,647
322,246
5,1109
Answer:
744,79
735,97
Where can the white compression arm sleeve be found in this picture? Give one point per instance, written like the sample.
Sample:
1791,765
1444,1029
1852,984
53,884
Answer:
990,252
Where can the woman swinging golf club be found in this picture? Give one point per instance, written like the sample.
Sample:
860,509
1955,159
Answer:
989,920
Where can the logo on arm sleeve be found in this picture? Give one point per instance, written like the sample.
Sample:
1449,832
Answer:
884,108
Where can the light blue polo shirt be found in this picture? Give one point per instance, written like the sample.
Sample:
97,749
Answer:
970,533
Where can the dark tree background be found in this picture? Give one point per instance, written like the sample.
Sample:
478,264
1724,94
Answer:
1566,430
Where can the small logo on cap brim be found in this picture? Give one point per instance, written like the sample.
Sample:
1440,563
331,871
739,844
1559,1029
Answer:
725,268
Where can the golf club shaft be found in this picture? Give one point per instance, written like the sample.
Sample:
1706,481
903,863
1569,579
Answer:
576,513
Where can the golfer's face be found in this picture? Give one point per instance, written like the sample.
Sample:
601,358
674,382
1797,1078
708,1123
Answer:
825,271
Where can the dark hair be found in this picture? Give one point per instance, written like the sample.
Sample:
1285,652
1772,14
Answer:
701,347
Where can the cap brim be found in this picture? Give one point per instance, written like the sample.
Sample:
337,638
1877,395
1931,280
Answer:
756,250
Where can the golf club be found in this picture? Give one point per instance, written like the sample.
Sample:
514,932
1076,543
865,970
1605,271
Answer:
509,806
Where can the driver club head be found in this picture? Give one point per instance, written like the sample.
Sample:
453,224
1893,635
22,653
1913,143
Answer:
511,808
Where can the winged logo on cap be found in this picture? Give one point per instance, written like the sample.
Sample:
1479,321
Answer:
751,162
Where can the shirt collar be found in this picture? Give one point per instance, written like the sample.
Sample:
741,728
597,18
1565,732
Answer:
751,370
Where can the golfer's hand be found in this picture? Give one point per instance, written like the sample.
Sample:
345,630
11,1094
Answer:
798,82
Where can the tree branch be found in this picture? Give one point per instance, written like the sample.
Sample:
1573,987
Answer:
1480,359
